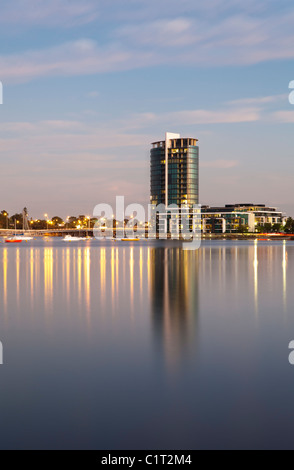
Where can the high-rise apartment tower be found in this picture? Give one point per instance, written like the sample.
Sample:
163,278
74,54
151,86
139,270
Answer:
175,171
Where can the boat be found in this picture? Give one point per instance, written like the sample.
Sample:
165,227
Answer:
129,239
69,238
102,239
22,237
25,226
13,240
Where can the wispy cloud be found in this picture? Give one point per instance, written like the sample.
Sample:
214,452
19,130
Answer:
82,57
93,94
244,110
220,164
224,116
47,13
227,115
231,34
238,35
262,100
161,33
71,154
283,116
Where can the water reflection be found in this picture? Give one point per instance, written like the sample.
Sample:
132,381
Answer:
90,331
174,301
121,282
255,268
103,275
132,279
4,261
87,281
284,267
48,277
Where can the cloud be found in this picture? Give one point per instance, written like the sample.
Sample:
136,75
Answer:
226,116
64,155
221,164
162,33
284,116
82,57
262,100
235,36
231,34
142,10
60,137
244,110
179,119
40,127
47,13
93,94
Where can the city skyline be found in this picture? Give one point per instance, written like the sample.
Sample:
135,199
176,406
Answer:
146,227
87,88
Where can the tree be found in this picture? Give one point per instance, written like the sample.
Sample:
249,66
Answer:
289,227
72,222
4,219
276,227
93,222
243,228
16,218
57,221
259,228
267,227
38,224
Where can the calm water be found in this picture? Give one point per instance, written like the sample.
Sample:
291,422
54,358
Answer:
113,346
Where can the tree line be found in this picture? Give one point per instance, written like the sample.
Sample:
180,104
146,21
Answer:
8,221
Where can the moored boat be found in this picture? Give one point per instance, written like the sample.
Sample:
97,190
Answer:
13,240
69,238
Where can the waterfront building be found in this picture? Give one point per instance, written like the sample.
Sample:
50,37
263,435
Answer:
175,171
232,217
174,181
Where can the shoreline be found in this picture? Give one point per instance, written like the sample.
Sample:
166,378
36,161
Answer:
206,237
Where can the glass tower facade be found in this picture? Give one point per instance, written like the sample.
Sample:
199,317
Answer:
175,172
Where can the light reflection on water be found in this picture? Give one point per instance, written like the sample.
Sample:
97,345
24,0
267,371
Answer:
154,332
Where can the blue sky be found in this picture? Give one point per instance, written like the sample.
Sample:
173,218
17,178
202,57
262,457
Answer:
89,84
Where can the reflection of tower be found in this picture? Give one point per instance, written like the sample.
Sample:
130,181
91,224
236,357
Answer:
174,290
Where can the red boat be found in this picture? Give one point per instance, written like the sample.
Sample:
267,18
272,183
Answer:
15,238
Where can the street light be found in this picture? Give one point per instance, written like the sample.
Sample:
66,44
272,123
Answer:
6,215
46,215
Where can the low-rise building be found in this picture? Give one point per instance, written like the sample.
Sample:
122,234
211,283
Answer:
234,218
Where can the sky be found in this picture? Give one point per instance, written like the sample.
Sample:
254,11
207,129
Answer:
88,85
